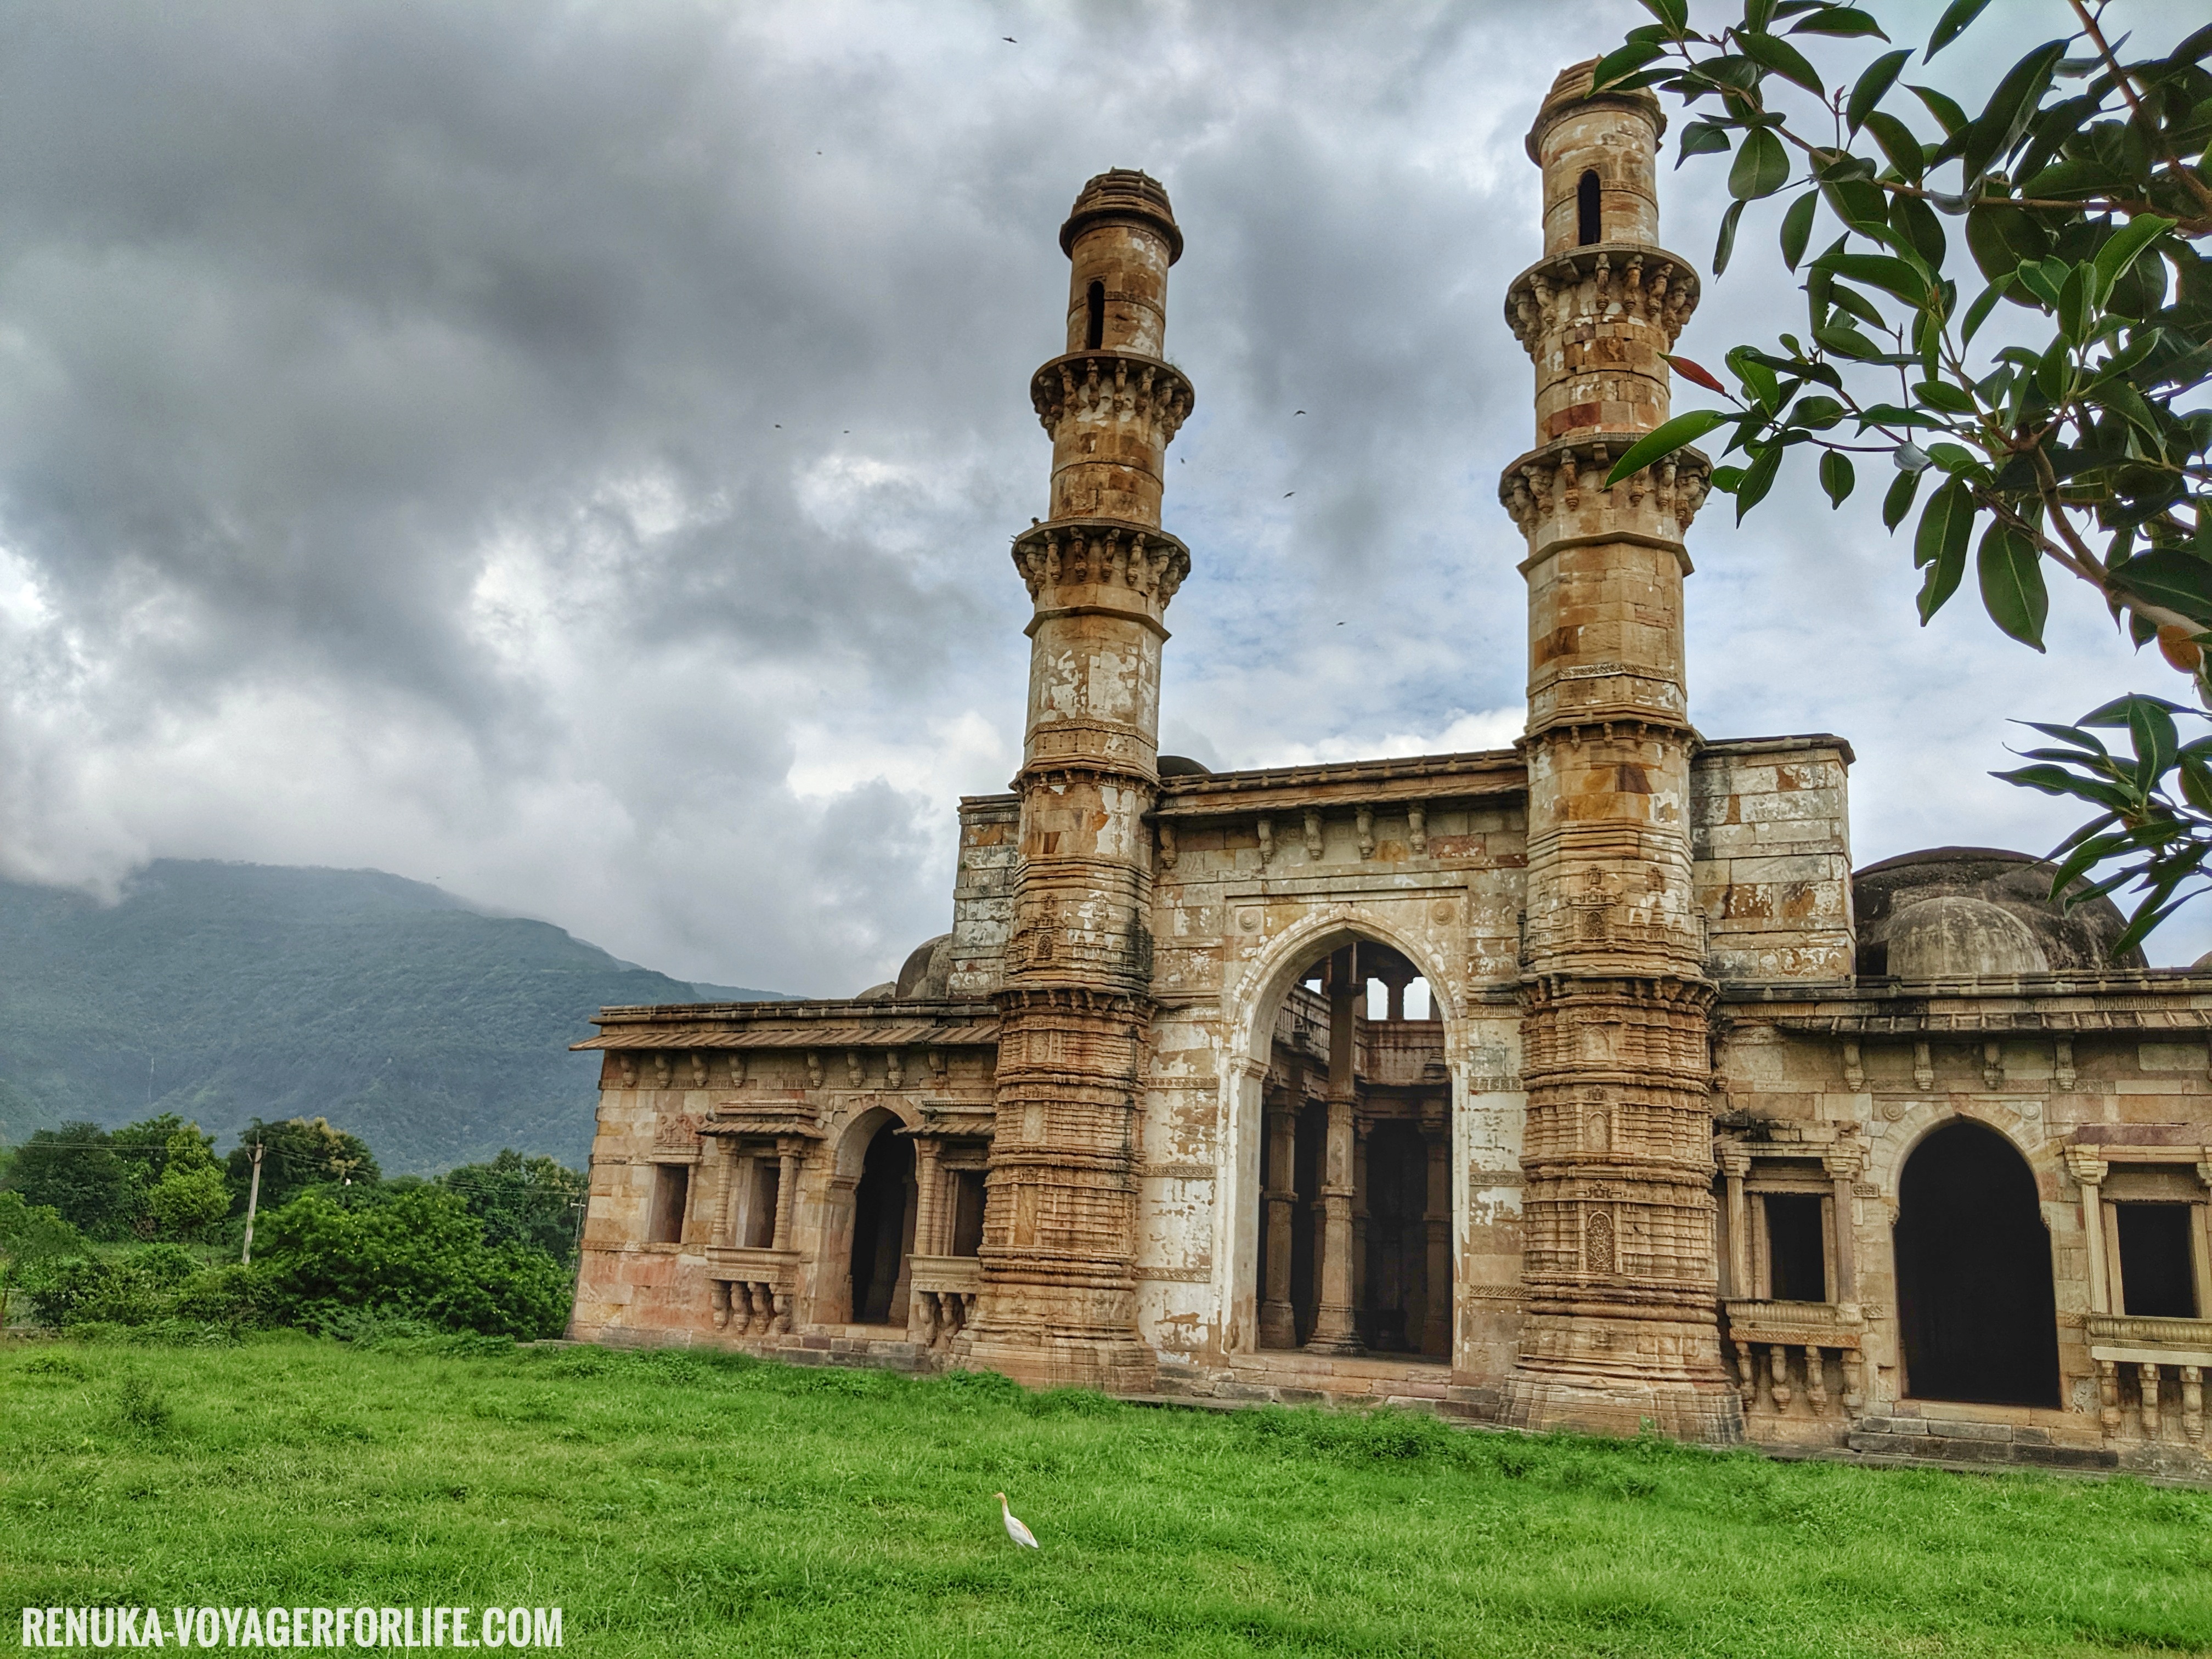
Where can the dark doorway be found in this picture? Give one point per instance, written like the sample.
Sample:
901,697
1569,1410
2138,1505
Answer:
1586,210
2157,1279
1396,1302
1973,1273
1093,328
881,1206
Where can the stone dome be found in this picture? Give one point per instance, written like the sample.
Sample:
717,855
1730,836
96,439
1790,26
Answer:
2005,919
926,970
1952,936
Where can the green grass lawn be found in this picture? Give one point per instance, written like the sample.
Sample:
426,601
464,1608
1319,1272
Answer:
679,1504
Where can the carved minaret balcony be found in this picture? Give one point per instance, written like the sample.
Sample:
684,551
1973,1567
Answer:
1058,1303
1621,1322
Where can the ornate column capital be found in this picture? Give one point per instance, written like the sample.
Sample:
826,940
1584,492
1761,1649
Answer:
2086,1167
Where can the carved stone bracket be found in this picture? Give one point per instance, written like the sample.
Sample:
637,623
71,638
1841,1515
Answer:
1102,552
1588,285
1115,385
1554,481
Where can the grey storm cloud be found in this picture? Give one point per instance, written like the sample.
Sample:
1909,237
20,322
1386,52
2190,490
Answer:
567,452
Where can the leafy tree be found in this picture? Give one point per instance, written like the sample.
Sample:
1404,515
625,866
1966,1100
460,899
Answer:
191,1195
299,1155
29,1235
420,1255
523,1201
74,1171
2079,197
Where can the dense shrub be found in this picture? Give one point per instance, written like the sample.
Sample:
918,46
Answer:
135,1288
421,1255
298,1156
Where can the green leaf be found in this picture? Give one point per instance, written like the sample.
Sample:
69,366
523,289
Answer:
1622,61
1682,429
1942,394
1945,524
1772,52
1759,384
1674,14
1947,114
1899,144
1953,24
1816,413
2123,246
1841,20
1979,313
2166,580
2152,729
1915,220
2011,571
1797,229
1757,479
1726,243
1842,340
1836,476
2010,106
1700,138
1897,500
1761,166
2077,300
1874,84
1891,274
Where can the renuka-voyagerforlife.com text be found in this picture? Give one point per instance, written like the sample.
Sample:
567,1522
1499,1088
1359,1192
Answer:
292,1627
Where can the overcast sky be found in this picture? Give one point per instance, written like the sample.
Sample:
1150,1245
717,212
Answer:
567,452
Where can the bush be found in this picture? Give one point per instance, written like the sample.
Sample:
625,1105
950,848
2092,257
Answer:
135,1289
421,1255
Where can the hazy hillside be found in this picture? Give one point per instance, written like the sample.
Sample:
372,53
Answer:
225,992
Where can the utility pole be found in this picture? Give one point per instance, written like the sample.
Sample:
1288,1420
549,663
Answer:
253,1203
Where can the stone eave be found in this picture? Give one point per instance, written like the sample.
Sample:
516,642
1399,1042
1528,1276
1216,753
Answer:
2135,1002
1488,774
821,1024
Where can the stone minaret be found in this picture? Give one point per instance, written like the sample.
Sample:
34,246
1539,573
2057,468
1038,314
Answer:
1058,1299
1620,1324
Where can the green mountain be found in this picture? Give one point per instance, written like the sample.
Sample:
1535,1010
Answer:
225,992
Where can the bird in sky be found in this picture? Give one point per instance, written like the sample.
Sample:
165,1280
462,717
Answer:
1010,39
1298,411
1287,494
1015,1530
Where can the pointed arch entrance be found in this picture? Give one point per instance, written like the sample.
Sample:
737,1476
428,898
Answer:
1353,1200
1976,1312
883,1206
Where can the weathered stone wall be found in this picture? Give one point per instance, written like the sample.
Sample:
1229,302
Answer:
983,892
1770,838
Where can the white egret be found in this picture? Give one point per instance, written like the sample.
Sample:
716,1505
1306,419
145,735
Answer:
1015,1530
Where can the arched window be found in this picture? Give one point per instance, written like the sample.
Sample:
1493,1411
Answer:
1094,334
1586,217
1975,1306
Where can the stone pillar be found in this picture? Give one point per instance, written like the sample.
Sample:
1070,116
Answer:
1736,1165
1622,1316
1843,1167
1362,1285
1436,1336
726,1164
1058,1303
788,1152
929,1187
1279,1326
2088,1172
1335,1330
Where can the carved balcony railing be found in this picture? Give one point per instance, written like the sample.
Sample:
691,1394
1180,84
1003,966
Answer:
944,1288
752,1290
1784,1348
2137,1356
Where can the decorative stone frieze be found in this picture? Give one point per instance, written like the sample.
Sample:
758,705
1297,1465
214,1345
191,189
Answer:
1584,289
1559,492
1100,553
1112,385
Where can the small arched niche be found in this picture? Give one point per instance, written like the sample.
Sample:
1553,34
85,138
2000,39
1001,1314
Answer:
882,1220
1589,225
